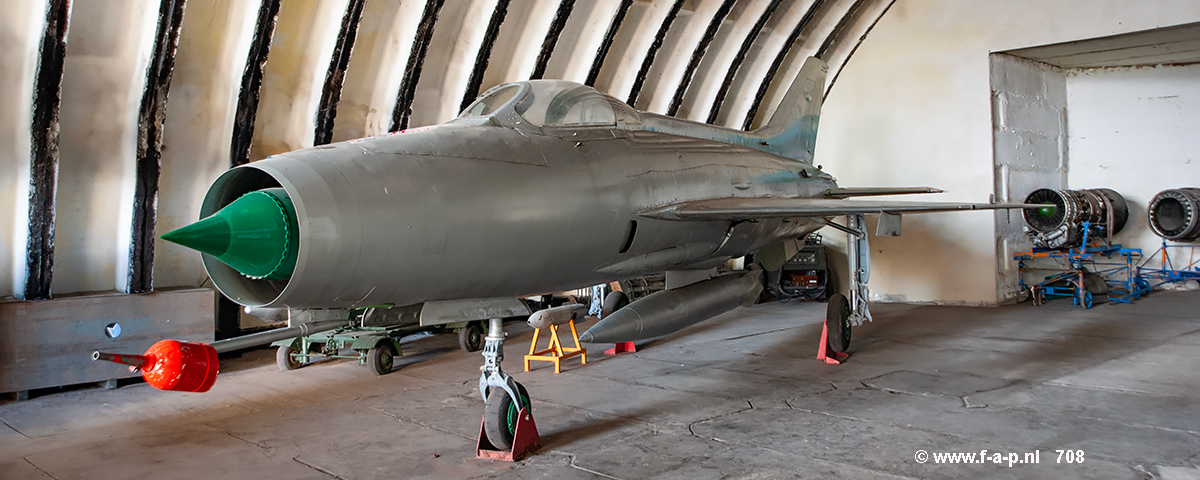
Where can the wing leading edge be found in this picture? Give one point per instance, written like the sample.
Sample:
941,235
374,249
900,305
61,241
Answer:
735,209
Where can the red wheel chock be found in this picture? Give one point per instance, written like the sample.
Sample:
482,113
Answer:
826,354
525,441
623,347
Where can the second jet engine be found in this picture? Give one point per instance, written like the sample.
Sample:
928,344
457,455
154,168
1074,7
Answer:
1060,223
1175,214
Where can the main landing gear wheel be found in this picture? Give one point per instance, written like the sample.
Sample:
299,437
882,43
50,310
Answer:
381,358
500,416
837,322
470,337
612,302
285,357
1095,285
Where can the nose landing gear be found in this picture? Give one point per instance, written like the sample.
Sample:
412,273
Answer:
508,431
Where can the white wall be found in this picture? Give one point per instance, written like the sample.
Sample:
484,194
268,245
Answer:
20,30
199,124
1137,131
377,65
913,107
108,48
305,35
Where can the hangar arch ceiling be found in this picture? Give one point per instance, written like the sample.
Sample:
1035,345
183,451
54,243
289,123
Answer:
238,80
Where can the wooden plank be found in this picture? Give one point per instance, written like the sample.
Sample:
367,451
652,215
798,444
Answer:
50,343
778,62
416,61
43,162
331,94
484,55
698,55
151,115
740,57
652,52
556,27
609,36
251,89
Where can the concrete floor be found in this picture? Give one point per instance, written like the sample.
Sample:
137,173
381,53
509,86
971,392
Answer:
739,396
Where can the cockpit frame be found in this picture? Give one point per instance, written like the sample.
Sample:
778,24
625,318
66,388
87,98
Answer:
552,105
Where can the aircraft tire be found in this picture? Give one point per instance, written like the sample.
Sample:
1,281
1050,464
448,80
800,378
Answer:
837,321
470,337
612,302
382,357
285,359
1094,284
500,416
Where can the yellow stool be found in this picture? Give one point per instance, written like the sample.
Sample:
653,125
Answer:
555,351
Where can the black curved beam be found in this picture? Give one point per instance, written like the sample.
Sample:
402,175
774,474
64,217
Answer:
149,147
332,93
252,75
698,55
43,161
416,60
647,62
556,27
613,28
775,64
485,54
836,34
228,321
741,57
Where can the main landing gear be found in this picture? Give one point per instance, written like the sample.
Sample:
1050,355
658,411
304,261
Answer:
508,431
849,310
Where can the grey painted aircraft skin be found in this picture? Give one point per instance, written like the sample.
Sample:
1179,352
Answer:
542,186
537,187
491,206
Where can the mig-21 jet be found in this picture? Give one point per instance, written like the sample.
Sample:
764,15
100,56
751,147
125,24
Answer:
538,186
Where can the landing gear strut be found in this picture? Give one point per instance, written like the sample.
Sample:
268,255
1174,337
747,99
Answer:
849,310
507,420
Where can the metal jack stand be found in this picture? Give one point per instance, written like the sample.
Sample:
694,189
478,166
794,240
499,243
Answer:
555,352
525,438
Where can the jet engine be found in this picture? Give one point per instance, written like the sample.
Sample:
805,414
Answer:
1175,214
1060,223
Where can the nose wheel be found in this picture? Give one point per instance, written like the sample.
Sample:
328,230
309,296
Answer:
508,431
501,415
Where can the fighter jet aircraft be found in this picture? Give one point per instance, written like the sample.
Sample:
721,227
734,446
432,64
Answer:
538,186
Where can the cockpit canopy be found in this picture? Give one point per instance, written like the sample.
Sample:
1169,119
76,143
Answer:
554,103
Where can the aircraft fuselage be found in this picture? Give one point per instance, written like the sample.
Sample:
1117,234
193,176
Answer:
397,219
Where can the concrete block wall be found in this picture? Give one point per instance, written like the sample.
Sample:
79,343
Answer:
1029,138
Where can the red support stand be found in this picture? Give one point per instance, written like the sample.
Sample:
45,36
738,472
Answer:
826,354
622,347
525,441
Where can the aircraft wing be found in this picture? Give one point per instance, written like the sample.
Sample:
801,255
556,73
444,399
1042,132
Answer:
734,209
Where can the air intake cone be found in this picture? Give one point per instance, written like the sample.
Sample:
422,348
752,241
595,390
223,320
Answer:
257,235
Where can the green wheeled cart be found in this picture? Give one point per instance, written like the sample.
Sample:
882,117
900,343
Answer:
374,334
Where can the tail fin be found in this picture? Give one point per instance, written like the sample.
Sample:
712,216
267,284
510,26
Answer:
792,131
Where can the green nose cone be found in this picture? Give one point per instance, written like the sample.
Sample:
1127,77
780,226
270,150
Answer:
1046,211
256,235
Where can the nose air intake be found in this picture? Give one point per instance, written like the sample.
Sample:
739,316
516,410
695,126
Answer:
257,235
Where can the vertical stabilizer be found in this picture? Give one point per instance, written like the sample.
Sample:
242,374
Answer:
792,131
